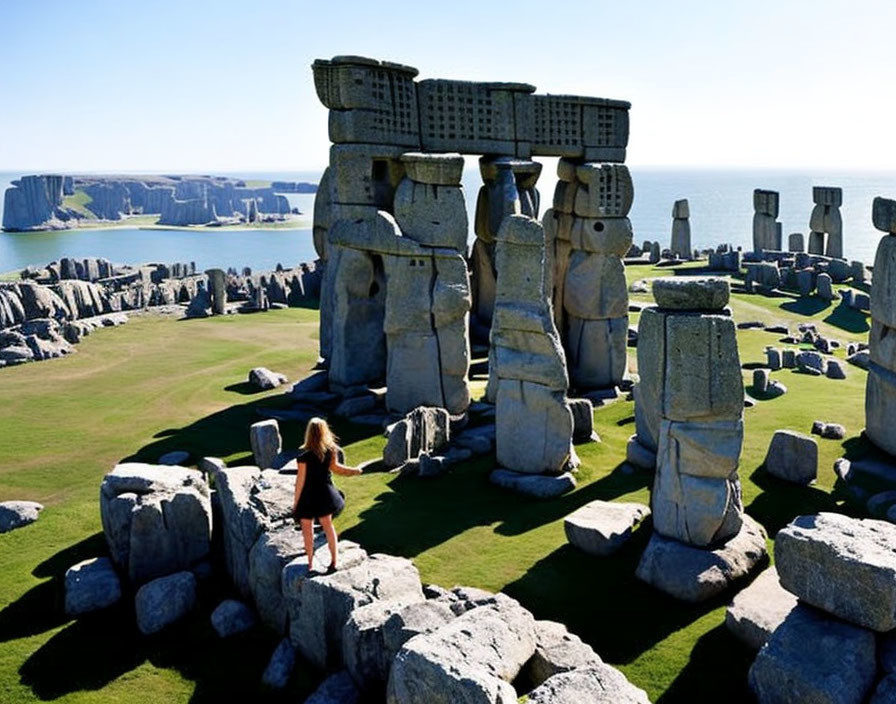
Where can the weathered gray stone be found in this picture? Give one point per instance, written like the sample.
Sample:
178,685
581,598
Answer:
471,659
582,420
328,601
174,458
164,600
423,430
91,585
338,688
638,455
542,486
280,666
840,669
759,609
792,456
436,169
604,190
695,574
760,380
231,617
845,566
264,438
156,519
265,379
829,431
557,650
433,215
883,214
595,684
602,527
690,293
15,514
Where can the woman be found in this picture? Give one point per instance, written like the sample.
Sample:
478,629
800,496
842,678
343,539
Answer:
315,496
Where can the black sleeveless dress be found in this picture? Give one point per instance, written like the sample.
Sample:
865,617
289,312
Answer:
319,497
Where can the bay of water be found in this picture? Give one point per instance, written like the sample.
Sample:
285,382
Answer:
721,211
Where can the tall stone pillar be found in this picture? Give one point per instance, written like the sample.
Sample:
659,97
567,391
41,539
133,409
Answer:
825,223
767,231
681,230
588,235
508,188
218,291
534,423
691,384
880,389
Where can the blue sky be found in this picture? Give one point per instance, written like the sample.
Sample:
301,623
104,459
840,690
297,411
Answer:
223,85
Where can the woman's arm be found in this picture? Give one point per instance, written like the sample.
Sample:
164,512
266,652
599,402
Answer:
342,469
300,484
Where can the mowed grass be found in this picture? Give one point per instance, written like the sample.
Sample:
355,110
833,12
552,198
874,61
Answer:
158,384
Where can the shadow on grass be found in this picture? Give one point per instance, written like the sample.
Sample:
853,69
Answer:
848,319
806,305
719,663
243,388
408,521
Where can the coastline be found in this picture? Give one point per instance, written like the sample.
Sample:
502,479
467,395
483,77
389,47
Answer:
143,223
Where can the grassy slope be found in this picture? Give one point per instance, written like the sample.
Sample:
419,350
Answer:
78,202
158,384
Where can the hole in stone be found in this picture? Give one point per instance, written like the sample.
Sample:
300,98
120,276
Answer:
598,226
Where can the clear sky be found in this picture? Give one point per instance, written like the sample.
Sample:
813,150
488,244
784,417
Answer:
224,85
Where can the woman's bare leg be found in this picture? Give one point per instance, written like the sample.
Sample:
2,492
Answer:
326,522
308,536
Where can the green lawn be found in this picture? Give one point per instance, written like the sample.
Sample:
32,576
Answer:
158,384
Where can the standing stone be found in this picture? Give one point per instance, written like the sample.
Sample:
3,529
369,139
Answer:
825,223
527,373
588,233
880,389
766,228
264,438
795,242
681,230
217,290
792,456
824,288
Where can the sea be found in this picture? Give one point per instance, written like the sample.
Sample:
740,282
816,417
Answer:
721,206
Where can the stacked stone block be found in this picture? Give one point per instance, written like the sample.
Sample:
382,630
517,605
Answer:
767,233
528,377
825,223
680,245
880,390
588,234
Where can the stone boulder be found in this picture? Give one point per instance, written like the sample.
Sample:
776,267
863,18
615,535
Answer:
845,566
759,609
328,601
557,650
423,430
264,379
813,657
157,519
595,684
91,585
602,527
695,574
338,688
231,617
280,666
267,446
793,457
541,486
165,600
15,514
471,659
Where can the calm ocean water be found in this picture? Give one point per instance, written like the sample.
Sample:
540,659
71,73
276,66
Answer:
721,211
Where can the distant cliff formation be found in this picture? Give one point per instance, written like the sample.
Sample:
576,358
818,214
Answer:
54,202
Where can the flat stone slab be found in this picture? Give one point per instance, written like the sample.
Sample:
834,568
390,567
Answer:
542,486
759,609
813,657
696,574
436,169
691,293
602,527
844,566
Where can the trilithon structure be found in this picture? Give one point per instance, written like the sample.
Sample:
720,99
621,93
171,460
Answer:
825,223
390,222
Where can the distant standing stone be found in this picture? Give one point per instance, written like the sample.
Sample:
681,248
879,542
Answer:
91,585
760,380
165,600
15,514
602,527
792,456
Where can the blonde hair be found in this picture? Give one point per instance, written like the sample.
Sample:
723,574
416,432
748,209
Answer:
319,439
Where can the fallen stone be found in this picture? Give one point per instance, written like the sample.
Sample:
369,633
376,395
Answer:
793,457
542,486
165,600
280,666
557,650
813,657
231,617
91,585
174,458
638,455
829,431
338,688
845,566
861,359
602,527
696,574
264,379
759,609
595,684
835,369
15,514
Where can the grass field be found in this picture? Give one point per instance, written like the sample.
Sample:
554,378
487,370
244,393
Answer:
158,384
